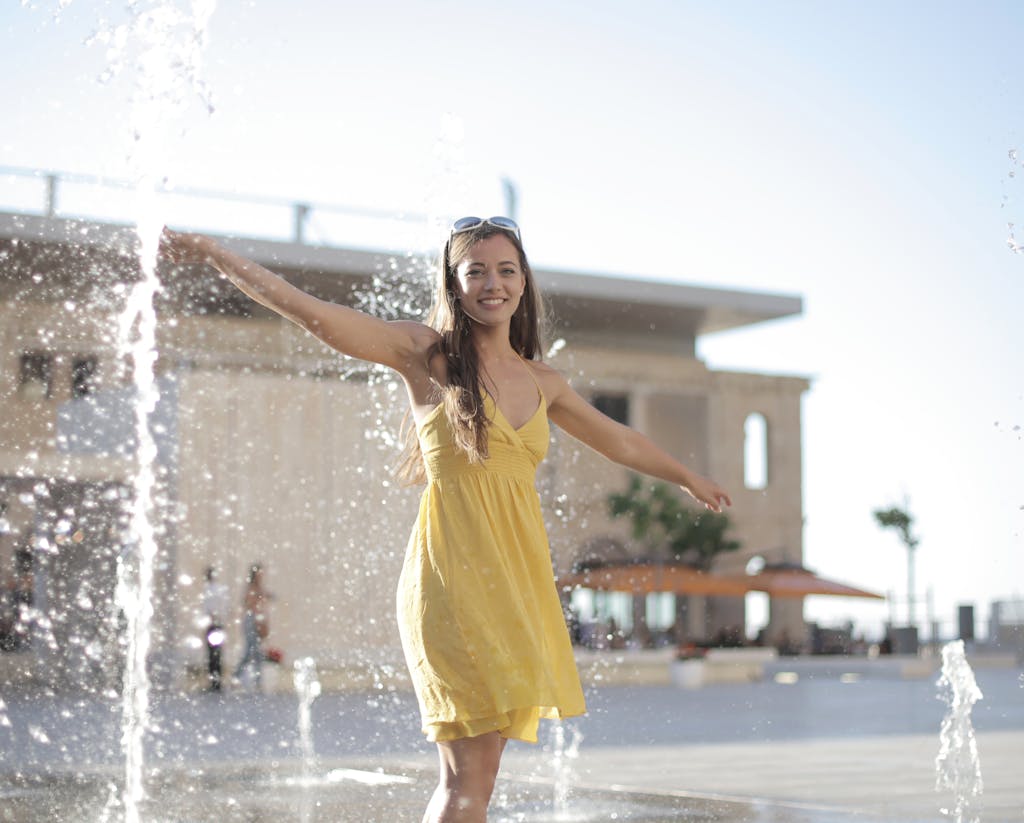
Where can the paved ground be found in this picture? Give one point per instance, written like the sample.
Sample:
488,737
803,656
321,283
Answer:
888,778
345,793
811,752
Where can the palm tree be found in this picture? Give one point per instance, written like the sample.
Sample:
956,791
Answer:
901,520
661,521
666,525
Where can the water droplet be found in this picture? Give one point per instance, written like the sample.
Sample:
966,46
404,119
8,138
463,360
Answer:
38,734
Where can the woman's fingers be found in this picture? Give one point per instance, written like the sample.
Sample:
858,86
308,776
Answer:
180,248
719,499
169,245
711,495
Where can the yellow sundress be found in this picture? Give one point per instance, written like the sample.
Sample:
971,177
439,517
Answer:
482,627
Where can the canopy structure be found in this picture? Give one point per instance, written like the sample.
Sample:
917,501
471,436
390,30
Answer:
796,581
784,580
646,578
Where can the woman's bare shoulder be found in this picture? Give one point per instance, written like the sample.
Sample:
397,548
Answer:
552,381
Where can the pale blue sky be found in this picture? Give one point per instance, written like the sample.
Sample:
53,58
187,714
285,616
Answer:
856,154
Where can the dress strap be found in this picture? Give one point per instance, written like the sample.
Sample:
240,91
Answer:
533,377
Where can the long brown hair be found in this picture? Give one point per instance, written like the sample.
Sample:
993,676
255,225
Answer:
461,395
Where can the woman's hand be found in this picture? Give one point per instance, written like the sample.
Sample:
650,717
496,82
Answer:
181,247
707,492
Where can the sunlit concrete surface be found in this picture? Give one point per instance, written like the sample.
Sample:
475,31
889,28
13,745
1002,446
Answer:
888,778
361,792
815,751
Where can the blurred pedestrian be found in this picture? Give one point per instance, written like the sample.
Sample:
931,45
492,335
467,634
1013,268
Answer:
215,609
23,598
255,628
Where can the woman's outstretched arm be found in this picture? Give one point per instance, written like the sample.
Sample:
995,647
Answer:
622,444
397,344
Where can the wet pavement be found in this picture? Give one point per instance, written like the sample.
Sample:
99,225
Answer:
342,792
811,752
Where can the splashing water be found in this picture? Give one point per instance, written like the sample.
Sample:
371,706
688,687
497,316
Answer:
957,766
564,756
162,43
134,593
307,687
1016,163
555,348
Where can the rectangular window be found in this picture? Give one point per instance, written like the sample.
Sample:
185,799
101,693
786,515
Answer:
83,376
615,406
755,451
36,375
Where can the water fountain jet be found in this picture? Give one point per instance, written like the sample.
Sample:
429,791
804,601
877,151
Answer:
307,687
958,767
163,44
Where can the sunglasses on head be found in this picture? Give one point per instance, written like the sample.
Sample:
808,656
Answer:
470,223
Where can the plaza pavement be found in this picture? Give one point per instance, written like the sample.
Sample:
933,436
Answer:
884,778
810,752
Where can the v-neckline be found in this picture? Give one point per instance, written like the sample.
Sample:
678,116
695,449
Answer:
540,405
541,400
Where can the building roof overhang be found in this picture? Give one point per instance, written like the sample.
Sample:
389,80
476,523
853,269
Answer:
61,248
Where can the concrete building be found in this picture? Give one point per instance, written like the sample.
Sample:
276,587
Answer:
273,448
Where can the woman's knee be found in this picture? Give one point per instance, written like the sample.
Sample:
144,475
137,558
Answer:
471,762
471,778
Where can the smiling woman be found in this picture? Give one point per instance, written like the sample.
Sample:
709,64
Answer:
490,278
480,618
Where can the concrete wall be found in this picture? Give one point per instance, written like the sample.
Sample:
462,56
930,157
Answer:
282,472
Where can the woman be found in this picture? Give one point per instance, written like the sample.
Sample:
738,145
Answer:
255,628
481,623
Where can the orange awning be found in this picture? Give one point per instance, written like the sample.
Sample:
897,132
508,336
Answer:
800,582
645,578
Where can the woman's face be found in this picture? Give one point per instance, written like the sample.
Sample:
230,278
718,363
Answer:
490,280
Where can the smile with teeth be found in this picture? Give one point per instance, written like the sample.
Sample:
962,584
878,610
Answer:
493,301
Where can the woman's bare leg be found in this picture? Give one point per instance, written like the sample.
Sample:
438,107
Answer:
468,769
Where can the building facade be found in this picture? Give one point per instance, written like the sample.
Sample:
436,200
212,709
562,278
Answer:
271,448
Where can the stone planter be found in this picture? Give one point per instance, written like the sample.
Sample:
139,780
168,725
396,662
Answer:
688,674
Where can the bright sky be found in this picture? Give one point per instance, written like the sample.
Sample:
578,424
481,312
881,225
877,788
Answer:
854,153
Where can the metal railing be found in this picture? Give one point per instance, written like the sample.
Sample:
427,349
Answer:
302,212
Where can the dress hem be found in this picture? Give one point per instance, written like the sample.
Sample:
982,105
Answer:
513,724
